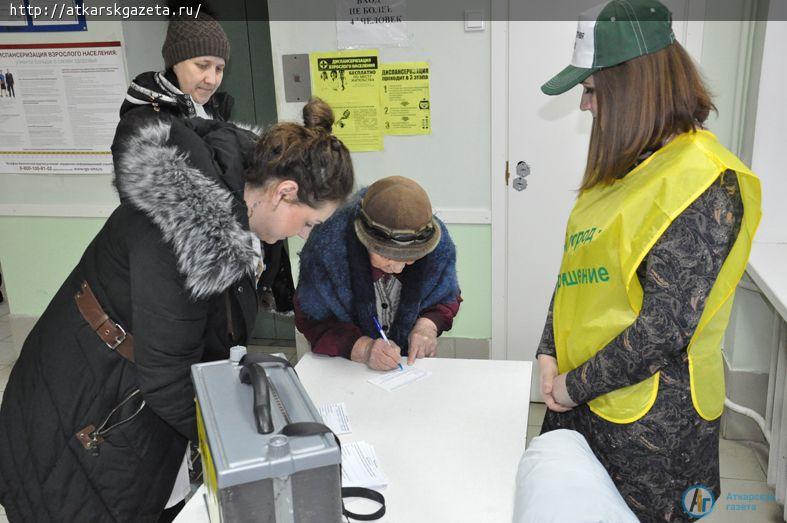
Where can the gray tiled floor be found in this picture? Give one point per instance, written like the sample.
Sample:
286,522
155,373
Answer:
741,470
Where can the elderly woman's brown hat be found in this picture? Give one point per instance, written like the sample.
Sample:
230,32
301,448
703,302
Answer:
396,220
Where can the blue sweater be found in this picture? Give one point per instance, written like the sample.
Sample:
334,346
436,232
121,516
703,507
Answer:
336,278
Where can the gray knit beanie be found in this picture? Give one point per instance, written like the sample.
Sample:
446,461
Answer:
189,37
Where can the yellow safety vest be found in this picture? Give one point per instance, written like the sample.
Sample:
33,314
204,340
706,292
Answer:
610,231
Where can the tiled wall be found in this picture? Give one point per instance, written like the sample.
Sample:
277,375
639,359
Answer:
463,348
278,330
270,325
447,347
748,389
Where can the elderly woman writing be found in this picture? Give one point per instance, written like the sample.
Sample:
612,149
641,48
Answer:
383,257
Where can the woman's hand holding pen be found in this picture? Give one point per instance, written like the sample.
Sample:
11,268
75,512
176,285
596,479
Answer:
551,386
377,354
423,340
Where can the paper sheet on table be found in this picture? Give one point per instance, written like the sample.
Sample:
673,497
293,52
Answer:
334,415
360,467
396,379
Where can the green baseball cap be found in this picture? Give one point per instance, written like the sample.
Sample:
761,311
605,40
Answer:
610,34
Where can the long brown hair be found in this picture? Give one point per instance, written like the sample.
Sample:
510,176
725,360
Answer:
641,104
308,154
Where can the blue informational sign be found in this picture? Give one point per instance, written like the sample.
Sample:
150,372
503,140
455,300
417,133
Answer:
42,16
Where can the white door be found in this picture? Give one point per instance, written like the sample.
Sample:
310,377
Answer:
551,135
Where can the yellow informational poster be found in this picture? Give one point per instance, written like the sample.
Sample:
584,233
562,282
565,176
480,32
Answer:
405,98
350,82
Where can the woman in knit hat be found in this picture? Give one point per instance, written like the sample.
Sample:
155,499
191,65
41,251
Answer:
659,236
382,267
195,52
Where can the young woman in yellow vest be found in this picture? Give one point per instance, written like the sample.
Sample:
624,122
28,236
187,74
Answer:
659,236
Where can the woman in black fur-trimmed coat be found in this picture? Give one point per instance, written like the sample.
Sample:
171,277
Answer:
195,54
175,267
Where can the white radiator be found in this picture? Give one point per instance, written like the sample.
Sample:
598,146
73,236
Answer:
776,413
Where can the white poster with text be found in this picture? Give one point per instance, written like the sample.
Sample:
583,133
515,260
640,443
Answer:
59,107
362,24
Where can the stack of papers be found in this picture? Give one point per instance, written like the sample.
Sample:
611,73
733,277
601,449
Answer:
396,379
360,467
334,415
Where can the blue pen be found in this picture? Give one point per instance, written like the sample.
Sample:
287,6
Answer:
383,336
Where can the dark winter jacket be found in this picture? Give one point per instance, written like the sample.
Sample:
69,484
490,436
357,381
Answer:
158,92
336,278
153,95
172,265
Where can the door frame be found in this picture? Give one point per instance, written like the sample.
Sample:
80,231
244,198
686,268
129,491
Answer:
498,346
689,30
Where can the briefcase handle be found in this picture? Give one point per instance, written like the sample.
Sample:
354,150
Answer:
253,373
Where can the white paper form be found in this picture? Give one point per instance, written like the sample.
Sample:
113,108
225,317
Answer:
397,378
334,415
360,467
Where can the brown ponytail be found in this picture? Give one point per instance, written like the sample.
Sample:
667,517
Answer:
307,154
318,115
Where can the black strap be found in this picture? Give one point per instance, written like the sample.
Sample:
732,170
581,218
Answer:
310,428
367,493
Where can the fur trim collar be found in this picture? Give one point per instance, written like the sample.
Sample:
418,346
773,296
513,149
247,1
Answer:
194,213
257,130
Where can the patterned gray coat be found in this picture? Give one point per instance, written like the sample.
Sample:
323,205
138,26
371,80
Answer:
656,458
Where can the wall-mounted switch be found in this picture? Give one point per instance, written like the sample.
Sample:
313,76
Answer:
474,20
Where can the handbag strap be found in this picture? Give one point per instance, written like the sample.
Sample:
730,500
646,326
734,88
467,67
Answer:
110,332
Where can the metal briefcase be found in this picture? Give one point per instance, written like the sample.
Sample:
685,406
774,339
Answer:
263,477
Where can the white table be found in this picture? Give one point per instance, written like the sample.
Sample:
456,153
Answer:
449,444
767,269
767,265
